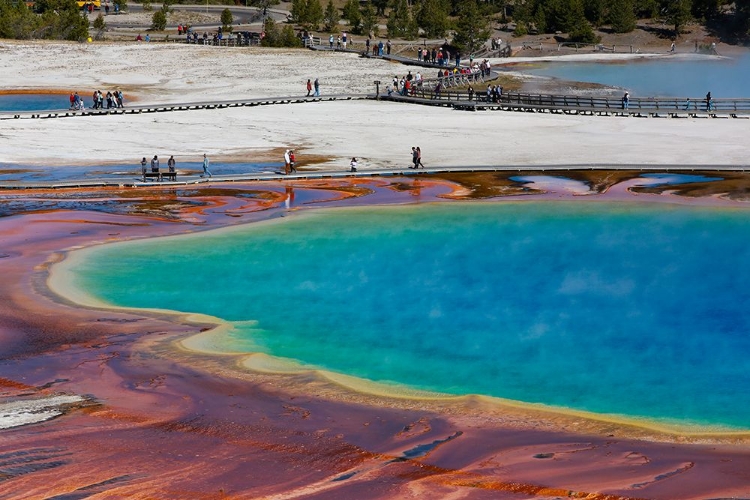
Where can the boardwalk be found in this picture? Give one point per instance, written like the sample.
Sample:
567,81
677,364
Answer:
655,107
135,181
187,106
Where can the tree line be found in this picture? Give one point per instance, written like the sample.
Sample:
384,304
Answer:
48,19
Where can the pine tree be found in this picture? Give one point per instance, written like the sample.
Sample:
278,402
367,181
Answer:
226,20
678,14
432,17
313,14
298,11
331,18
369,19
472,29
353,16
621,16
271,33
159,20
288,38
399,20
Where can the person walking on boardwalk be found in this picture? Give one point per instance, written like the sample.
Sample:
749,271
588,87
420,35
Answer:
414,157
419,158
205,166
287,160
317,88
709,102
309,87
353,164
292,161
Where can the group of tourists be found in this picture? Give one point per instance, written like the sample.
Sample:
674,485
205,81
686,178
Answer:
407,85
341,41
184,28
171,167
441,56
114,99
378,49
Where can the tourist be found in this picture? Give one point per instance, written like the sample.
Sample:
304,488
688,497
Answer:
367,46
205,166
709,102
380,48
120,99
317,88
470,90
419,158
672,48
139,38
148,38
330,41
171,165
625,100
155,164
143,167
287,161
292,161
343,39
353,165
309,87
338,42
72,100
414,157
388,45
95,99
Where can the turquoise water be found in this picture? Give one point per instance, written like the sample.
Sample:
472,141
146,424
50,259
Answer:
638,310
668,77
33,102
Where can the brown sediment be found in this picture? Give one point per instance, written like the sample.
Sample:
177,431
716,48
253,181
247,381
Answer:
36,91
176,424
124,88
731,185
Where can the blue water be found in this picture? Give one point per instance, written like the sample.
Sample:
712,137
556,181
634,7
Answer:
33,102
638,310
668,77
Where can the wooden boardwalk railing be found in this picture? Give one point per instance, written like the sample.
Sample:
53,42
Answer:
574,104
